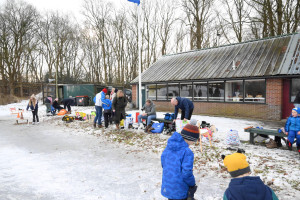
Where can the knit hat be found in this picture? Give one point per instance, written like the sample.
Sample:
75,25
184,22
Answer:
236,164
297,110
190,132
104,90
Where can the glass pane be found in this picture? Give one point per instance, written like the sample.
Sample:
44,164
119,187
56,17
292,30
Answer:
234,91
173,90
186,90
216,91
255,91
295,92
151,92
200,91
161,92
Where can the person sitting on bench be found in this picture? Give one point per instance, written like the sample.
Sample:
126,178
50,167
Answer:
150,114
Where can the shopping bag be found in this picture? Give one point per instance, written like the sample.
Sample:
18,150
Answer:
158,127
128,121
232,138
180,124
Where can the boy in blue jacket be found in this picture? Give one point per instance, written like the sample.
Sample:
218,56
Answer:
242,186
292,129
106,104
178,181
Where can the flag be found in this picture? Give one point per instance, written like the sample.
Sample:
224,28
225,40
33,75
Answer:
135,1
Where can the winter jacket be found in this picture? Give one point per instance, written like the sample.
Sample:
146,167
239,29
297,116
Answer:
248,188
68,101
99,98
33,107
149,110
177,162
106,104
119,105
292,124
184,104
56,105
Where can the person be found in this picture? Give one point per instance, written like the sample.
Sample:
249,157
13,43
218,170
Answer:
112,93
292,129
68,102
242,186
111,99
178,181
106,104
33,105
150,114
56,105
48,103
118,105
185,105
100,97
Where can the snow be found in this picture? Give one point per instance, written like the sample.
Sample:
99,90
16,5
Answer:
55,160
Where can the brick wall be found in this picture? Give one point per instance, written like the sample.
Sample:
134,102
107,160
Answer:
270,111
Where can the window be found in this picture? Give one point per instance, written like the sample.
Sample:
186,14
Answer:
173,90
161,92
295,91
234,91
216,91
186,90
151,92
255,91
200,91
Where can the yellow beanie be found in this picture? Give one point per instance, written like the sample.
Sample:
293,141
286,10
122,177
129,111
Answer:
236,164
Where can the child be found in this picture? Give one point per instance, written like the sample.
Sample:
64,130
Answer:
292,129
106,104
178,181
242,186
33,105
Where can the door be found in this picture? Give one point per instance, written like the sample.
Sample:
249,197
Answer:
287,106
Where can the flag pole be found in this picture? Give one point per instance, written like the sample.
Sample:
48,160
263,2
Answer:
140,59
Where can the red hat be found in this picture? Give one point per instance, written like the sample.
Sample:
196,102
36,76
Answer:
104,90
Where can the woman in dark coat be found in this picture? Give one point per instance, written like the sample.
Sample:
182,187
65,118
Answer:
118,106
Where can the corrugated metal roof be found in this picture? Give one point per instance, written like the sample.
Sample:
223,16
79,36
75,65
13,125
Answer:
267,57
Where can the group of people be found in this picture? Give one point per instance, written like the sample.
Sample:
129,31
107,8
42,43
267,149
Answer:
178,181
113,107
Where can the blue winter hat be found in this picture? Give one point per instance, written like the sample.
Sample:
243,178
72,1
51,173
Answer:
297,110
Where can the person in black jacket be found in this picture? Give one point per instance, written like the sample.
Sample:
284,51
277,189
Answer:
118,105
56,105
68,102
33,105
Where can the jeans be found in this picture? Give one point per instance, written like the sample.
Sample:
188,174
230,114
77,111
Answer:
149,118
98,115
291,137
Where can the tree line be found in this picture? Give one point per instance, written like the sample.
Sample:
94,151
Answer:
35,46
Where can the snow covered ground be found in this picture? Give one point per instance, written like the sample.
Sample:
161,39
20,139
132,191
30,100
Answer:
55,160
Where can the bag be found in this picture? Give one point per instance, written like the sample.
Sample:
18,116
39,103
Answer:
62,112
169,116
128,121
180,124
232,138
122,122
68,119
158,127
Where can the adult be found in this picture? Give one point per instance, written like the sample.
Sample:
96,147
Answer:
68,102
112,96
150,114
33,105
118,105
185,105
56,105
100,97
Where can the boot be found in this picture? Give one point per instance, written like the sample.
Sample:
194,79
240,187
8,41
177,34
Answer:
298,148
272,144
147,128
94,125
117,126
289,145
100,126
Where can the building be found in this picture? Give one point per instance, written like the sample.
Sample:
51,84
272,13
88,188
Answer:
255,79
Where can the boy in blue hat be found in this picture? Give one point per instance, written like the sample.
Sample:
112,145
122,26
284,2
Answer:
178,181
292,129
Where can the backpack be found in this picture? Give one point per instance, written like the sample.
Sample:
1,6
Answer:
158,127
169,116
232,138
68,119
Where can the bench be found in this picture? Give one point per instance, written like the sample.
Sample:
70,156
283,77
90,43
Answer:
167,124
254,132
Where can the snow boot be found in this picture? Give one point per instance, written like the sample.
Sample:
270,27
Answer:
94,125
272,144
298,149
100,126
147,128
117,126
289,145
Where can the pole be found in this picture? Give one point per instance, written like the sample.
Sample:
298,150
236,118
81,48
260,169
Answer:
56,86
140,59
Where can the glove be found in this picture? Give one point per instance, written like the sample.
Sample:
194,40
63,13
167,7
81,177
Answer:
191,192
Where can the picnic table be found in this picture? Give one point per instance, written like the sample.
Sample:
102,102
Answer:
254,132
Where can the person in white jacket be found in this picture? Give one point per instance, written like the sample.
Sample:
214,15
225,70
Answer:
98,106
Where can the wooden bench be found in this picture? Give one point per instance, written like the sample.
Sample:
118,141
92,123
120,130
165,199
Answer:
254,132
